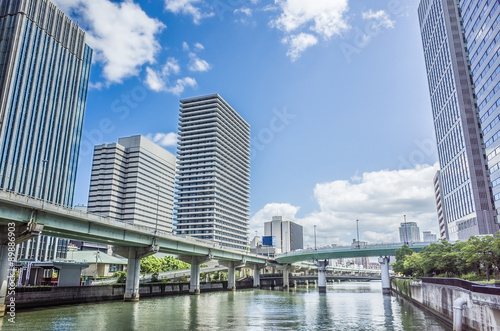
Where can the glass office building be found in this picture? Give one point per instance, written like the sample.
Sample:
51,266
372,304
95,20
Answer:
464,182
213,172
44,73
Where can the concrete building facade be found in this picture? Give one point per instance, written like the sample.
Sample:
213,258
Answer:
464,182
409,233
133,181
213,172
44,72
289,235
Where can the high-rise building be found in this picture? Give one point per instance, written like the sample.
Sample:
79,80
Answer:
443,229
289,235
409,233
481,30
429,237
466,196
133,181
44,73
213,172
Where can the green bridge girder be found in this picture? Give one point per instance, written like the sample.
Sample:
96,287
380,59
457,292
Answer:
338,253
63,222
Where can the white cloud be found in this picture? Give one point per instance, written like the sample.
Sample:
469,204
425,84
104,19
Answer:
171,67
159,82
378,200
197,64
122,35
188,7
323,18
163,139
199,47
298,44
153,80
381,18
244,10
266,214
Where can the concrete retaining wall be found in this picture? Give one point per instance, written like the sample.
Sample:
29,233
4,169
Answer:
438,294
31,297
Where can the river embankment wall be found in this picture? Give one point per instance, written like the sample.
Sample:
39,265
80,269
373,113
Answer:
35,297
438,295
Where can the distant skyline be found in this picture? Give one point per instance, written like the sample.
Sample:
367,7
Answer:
335,93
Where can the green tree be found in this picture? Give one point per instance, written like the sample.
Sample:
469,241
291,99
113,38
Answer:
413,265
401,254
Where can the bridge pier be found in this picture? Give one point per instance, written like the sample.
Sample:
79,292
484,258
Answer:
256,276
384,274
134,255
195,261
321,274
231,272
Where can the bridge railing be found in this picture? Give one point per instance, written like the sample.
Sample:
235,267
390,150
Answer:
365,246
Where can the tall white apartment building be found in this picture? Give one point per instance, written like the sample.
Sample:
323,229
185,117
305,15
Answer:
213,172
133,182
409,233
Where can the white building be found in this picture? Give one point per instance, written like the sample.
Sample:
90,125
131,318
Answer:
409,233
429,237
213,178
133,182
289,235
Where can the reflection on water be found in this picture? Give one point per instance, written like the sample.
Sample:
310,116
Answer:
345,306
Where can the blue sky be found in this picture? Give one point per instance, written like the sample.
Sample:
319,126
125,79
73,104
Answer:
335,92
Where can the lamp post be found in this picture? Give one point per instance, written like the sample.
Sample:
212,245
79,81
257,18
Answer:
357,233
315,247
406,232
157,207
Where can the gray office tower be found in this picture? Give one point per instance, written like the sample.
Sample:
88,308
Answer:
44,73
213,172
132,181
450,39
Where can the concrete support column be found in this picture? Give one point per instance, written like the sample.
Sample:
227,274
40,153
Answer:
194,283
286,279
133,276
134,256
4,278
384,274
322,275
256,276
231,276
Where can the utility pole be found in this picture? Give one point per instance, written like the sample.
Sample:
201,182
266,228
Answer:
315,248
357,232
406,232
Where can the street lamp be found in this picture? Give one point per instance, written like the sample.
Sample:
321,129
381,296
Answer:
315,248
357,232
157,206
406,232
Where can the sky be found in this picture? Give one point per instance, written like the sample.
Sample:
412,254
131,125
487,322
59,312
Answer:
335,92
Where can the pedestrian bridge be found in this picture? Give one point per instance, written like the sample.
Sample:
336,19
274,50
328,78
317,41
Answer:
339,252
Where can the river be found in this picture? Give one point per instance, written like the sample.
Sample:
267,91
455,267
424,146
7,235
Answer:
345,306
